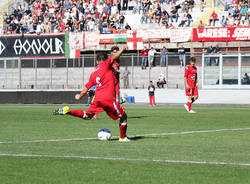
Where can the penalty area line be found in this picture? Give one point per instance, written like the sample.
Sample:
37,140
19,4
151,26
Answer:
125,159
115,137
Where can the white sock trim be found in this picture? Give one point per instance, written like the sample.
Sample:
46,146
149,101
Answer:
84,114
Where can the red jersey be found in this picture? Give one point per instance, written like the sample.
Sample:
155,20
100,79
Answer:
103,78
191,74
117,64
144,52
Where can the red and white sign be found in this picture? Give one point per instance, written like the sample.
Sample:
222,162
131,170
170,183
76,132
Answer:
155,34
134,40
221,34
76,40
180,35
92,39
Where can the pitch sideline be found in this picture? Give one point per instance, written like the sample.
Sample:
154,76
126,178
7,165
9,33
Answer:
125,159
115,137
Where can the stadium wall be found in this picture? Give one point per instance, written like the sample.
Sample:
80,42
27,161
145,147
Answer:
40,97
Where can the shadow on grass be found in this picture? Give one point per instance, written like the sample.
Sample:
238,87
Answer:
137,117
135,138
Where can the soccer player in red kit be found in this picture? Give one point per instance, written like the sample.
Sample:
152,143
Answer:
191,84
103,78
116,67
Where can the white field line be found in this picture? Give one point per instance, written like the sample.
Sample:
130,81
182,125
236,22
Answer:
115,137
124,159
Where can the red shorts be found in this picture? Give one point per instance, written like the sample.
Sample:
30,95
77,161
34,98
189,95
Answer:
192,91
112,108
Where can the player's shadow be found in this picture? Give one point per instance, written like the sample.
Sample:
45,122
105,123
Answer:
139,137
137,117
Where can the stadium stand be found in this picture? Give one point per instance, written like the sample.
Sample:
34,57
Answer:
109,16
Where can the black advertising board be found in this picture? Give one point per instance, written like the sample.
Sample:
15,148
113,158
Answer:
32,46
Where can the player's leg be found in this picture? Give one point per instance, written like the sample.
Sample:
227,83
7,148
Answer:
116,111
153,99
189,102
150,100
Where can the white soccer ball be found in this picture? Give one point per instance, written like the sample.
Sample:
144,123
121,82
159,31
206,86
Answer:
104,134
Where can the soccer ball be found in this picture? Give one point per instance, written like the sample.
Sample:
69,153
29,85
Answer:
104,134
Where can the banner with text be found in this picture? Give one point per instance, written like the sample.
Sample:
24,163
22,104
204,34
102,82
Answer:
180,35
221,34
32,46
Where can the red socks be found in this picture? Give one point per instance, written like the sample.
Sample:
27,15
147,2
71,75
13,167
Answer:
189,103
123,129
78,113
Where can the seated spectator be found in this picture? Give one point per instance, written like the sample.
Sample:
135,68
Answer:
231,10
151,14
201,24
243,11
174,14
183,20
214,18
231,21
158,14
228,4
246,79
224,21
202,5
127,27
189,19
161,81
144,17
236,14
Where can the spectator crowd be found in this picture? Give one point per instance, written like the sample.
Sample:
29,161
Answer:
45,16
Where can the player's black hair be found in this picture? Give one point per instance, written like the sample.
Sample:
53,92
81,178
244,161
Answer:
193,59
114,48
150,81
102,56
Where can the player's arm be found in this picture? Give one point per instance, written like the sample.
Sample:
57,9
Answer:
118,54
82,94
186,83
116,68
185,78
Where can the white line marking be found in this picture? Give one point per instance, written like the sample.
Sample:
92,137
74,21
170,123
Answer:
115,137
124,159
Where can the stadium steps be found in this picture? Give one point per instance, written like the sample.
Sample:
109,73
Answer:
208,11
4,8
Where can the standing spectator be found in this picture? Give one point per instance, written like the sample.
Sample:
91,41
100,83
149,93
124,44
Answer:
181,52
164,53
125,5
121,21
208,59
125,76
151,55
214,18
151,93
216,50
144,59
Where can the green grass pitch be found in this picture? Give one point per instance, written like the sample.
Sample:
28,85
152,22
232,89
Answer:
169,146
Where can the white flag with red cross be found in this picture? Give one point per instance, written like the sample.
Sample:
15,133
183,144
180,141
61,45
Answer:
134,40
